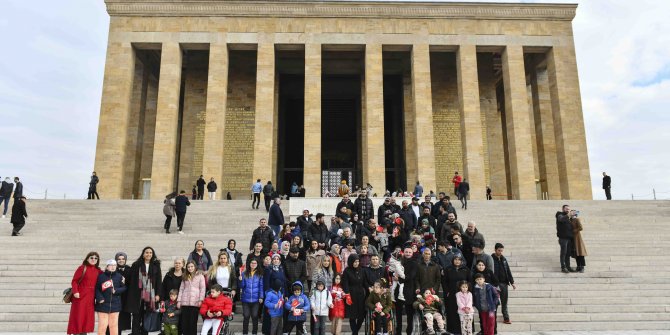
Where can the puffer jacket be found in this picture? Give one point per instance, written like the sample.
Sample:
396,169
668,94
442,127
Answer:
338,302
171,308
492,298
321,302
111,302
192,292
251,288
221,304
298,302
271,299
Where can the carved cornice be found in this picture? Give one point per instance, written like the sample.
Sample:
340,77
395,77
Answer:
331,9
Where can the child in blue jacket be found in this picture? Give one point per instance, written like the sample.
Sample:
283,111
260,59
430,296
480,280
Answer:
298,307
486,300
274,302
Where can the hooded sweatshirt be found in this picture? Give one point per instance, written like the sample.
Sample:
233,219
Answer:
298,302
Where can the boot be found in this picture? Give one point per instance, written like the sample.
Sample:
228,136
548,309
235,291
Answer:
571,269
580,269
564,270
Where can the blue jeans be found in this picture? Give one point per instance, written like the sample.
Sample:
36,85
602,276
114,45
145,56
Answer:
6,201
276,229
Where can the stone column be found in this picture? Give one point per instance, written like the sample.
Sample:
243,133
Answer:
215,122
423,117
374,164
167,121
114,111
573,160
517,120
544,128
471,121
264,140
312,133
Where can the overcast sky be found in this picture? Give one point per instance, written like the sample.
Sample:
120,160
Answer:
52,66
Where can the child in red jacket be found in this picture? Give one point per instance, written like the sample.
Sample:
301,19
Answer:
214,309
337,311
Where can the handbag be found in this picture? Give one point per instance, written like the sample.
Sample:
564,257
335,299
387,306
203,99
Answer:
67,293
152,321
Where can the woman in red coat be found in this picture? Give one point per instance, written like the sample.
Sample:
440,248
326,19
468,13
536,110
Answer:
82,313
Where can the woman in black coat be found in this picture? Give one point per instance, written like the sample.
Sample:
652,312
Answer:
144,287
352,284
172,279
454,275
201,257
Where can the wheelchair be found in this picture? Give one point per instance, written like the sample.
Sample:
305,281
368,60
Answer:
225,330
419,324
369,324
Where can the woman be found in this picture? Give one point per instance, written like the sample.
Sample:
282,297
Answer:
489,277
454,275
272,273
579,245
335,258
223,273
191,295
352,284
200,255
144,287
169,211
313,260
121,259
257,255
323,273
252,293
82,314
365,241
172,279
297,242
108,290
356,225
234,256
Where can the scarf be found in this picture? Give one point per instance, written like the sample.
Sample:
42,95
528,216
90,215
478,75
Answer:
231,256
147,293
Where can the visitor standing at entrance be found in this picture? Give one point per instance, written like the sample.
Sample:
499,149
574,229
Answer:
607,186
276,217
211,188
268,191
181,202
201,187
418,190
6,193
93,187
19,215
463,190
457,181
256,190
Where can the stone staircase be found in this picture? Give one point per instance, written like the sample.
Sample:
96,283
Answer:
626,285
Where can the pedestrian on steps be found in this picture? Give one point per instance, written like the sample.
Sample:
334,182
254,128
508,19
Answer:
169,210
268,192
93,187
108,290
19,215
181,202
5,194
211,188
201,187
82,313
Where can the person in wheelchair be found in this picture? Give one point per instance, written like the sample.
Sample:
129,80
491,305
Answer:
430,306
215,309
379,303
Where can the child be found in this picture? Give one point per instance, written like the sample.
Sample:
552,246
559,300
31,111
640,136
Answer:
465,311
214,310
398,271
431,305
337,311
380,303
485,299
171,315
298,307
274,302
321,302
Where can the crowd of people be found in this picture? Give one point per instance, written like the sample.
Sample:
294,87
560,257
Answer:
387,263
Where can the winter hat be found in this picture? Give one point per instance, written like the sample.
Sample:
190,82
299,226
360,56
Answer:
111,262
276,285
424,221
121,253
276,256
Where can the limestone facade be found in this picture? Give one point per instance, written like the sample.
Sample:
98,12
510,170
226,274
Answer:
489,90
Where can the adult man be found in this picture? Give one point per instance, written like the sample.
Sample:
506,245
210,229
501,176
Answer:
276,217
319,232
374,272
416,208
268,192
428,273
211,188
480,255
344,239
343,189
408,216
304,222
201,187
457,181
364,207
6,193
294,268
446,203
564,233
459,248
93,187
447,226
385,209
607,186
435,209
395,206
19,215
409,292
345,202
418,189
502,271
463,190
181,202
426,215
427,203
470,237
263,235
256,190
18,189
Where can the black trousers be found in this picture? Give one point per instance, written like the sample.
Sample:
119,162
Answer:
168,221
267,199
256,201
180,220
288,326
581,261
249,310
93,193
608,193
17,227
201,193
138,318
189,320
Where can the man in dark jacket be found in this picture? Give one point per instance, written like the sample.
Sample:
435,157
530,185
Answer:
364,207
181,202
407,215
5,194
263,235
319,232
268,192
385,210
211,188
463,190
564,234
472,236
346,202
276,217
304,222
201,187
18,189
435,209
93,187
426,215
607,186
504,275
19,215
294,268
428,273
411,269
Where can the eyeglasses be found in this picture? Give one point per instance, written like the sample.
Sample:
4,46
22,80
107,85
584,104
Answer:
93,257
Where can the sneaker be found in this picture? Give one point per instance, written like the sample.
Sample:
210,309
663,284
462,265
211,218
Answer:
565,270
181,232
3,216
507,322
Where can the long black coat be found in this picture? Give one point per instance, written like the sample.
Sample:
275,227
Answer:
365,209
134,291
19,213
18,191
411,270
352,283
6,189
